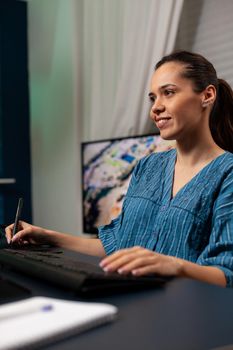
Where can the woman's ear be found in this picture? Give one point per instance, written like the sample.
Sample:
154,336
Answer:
208,96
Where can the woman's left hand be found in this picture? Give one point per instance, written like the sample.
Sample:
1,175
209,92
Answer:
140,261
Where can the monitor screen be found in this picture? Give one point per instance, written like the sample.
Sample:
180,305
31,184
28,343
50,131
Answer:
107,166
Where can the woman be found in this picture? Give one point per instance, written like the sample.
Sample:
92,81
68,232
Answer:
177,217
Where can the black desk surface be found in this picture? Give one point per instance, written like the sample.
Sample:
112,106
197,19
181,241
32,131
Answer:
184,315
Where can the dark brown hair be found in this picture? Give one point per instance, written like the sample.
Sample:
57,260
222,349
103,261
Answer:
202,73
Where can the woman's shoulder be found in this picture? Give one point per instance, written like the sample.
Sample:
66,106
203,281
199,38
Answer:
222,172
229,157
226,163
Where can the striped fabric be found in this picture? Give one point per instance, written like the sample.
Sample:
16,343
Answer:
196,225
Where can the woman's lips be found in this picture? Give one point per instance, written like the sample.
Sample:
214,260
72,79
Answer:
162,123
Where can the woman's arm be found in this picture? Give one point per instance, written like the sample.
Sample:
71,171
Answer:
91,246
37,235
140,261
210,274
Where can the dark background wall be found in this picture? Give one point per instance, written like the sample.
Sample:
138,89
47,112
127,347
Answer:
14,110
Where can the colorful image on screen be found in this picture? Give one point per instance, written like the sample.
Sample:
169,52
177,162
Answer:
106,171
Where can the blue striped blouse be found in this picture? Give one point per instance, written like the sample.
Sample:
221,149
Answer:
196,225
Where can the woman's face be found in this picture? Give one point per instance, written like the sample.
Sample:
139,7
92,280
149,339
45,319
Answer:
176,109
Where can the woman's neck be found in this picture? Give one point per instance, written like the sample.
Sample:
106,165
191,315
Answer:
191,154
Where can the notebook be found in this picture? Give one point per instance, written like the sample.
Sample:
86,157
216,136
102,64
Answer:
65,269
39,321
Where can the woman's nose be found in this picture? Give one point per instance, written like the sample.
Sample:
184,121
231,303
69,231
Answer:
157,107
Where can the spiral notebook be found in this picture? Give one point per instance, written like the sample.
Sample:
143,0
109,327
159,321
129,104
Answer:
39,320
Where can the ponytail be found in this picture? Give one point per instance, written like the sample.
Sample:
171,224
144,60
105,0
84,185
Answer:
221,117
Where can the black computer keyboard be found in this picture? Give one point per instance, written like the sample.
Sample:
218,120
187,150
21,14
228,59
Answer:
54,266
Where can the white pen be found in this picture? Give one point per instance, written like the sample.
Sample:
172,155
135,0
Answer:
13,311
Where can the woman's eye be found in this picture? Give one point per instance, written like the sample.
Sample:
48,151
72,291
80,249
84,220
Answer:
168,92
152,99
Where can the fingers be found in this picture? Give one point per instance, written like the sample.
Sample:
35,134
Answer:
140,261
20,236
117,258
8,233
31,234
127,260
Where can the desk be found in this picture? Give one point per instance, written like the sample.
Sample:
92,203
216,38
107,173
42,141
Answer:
184,315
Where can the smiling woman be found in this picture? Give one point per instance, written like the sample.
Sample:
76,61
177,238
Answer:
177,214
196,78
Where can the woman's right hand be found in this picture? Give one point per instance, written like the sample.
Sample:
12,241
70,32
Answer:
27,234
30,234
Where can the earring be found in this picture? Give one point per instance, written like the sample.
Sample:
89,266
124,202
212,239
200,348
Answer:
206,103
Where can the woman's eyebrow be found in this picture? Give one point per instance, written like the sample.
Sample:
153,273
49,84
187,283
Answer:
166,85
162,87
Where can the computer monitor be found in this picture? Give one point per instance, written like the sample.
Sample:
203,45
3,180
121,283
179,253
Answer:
107,166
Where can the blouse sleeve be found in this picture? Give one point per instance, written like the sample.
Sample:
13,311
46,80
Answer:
219,251
108,234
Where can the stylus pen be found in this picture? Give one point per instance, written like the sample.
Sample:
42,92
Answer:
17,216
